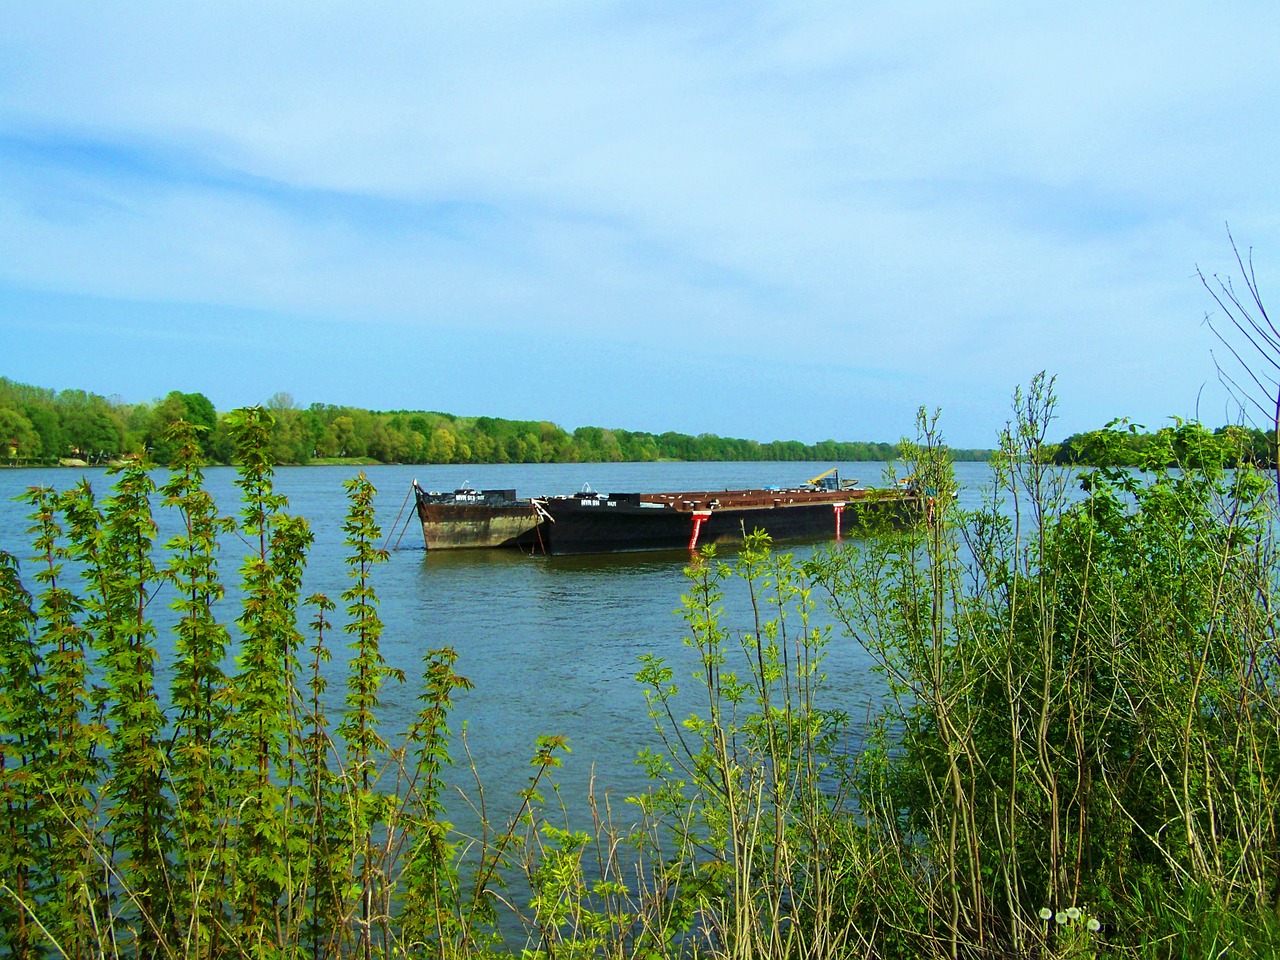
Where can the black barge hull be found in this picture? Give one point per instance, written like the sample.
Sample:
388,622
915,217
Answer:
606,525
474,519
630,522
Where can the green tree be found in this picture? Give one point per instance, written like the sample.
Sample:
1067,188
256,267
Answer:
19,439
21,742
431,905
261,692
71,766
359,727
91,431
198,753
290,441
48,426
192,408
112,544
443,447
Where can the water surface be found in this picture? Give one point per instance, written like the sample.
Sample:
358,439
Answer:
551,644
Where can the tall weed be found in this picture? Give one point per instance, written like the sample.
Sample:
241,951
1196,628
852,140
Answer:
1085,702
1077,753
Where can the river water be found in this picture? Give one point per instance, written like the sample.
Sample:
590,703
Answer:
551,644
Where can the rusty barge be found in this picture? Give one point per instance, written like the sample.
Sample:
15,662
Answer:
468,518
589,522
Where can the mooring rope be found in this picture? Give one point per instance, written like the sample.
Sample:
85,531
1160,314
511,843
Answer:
397,520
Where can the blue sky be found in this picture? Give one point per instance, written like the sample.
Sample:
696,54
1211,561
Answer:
767,220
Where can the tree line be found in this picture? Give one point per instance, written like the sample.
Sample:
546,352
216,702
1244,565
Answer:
42,426
1123,444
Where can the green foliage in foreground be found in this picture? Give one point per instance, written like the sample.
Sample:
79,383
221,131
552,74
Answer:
1122,444
1075,751
39,426
1083,717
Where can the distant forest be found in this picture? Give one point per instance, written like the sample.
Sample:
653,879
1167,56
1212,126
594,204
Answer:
41,426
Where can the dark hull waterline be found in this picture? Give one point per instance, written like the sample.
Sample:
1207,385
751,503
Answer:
620,523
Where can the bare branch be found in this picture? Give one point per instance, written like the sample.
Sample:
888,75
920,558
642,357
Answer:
1254,345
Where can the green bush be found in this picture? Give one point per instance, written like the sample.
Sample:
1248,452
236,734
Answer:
1084,709
1077,751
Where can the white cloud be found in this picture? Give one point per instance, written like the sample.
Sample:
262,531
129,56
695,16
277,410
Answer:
952,195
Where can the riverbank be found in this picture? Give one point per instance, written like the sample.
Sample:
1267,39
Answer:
76,462
795,690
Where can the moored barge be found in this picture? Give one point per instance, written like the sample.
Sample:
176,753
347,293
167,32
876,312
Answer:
466,518
589,522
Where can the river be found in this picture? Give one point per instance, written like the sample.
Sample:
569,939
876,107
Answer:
551,644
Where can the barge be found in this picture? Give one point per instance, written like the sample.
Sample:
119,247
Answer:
590,522
466,518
